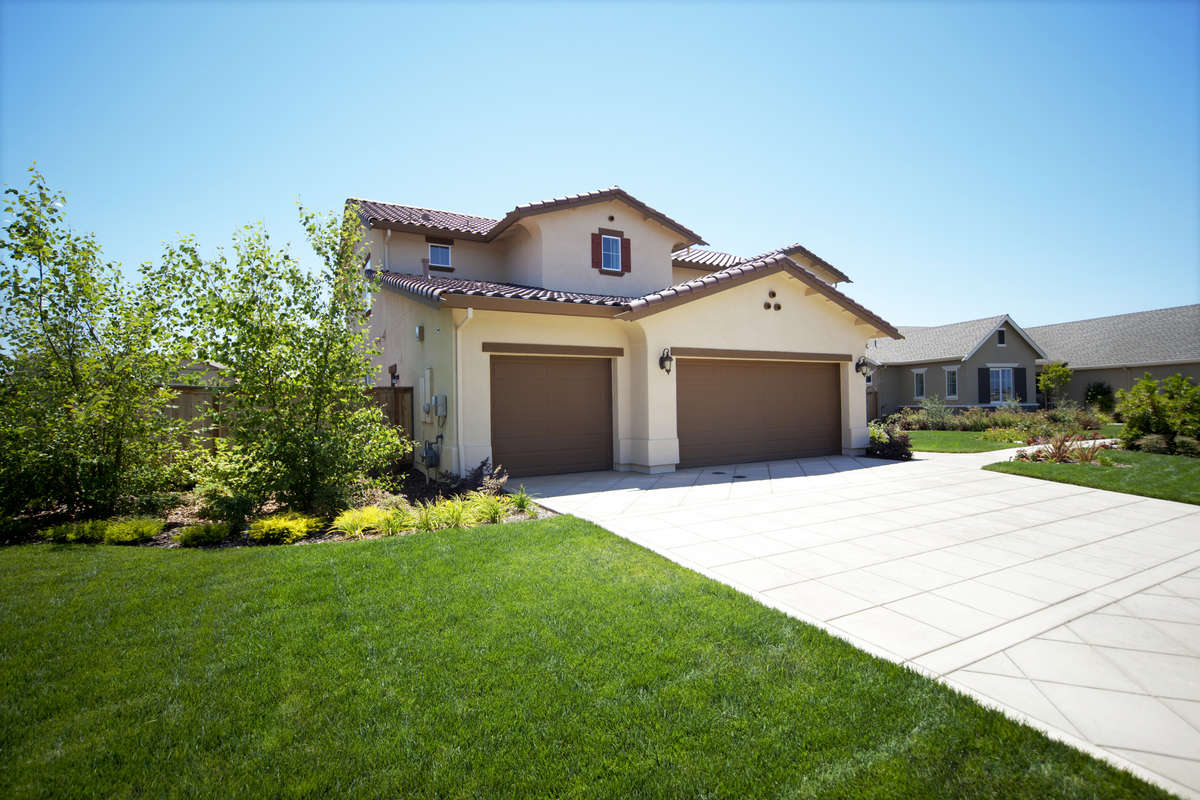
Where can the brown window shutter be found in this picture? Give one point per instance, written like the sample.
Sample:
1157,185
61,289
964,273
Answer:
597,259
985,385
624,254
1019,380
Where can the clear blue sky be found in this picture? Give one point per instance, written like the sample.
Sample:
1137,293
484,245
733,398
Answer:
956,160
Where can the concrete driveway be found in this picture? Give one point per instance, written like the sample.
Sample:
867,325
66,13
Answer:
1072,609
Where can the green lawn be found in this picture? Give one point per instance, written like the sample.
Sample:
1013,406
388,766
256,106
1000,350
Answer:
538,658
955,442
1166,477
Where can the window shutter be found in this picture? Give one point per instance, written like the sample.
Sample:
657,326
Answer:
1019,383
985,385
624,254
597,259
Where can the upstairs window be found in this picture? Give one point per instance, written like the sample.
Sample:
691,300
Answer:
439,255
1000,338
610,253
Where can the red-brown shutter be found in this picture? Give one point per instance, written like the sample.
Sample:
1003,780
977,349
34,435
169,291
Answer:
597,259
624,254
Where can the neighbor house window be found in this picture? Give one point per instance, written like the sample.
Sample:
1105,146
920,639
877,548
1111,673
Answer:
1002,384
952,383
610,253
919,385
1000,338
870,379
439,255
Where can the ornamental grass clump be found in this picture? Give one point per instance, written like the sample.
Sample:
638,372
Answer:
89,532
425,517
354,523
133,530
489,508
455,512
207,535
522,502
283,528
399,520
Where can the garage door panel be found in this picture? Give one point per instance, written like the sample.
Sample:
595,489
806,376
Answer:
551,415
738,411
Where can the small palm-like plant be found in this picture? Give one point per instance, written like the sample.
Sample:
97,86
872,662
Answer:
522,502
1060,448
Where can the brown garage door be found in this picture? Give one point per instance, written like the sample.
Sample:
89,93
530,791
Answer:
551,414
737,411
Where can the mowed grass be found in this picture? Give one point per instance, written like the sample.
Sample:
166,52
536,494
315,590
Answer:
955,442
1148,474
546,658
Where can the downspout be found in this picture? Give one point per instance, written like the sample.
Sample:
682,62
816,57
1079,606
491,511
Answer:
458,391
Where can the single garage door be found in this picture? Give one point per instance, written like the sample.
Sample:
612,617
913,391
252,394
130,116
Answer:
737,411
551,414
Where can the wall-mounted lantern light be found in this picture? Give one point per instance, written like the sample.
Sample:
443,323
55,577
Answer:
665,360
863,366
393,372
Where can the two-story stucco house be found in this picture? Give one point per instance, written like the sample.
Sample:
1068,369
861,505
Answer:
981,362
591,332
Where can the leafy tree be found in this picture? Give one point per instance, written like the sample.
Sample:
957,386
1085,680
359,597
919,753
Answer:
295,363
1169,408
1099,394
85,358
1053,377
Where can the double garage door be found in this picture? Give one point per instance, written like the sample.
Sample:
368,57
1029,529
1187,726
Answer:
554,414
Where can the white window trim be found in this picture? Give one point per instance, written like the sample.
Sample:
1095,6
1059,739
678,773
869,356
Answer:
924,386
449,255
955,371
998,342
616,239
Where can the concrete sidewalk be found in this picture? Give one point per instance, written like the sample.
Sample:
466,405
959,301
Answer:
1073,609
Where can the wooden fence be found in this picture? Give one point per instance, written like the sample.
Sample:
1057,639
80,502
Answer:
189,405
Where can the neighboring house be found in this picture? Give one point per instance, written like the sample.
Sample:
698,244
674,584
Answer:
590,332
1120,349
983,362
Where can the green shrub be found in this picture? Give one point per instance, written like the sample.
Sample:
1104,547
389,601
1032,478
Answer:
1153,443
1187,446
88,532
1168,408
1006,416
1004,435
213,533
889,441
283,528
937,416
226,492
972,419
357,521
133,530
522,502
1099,395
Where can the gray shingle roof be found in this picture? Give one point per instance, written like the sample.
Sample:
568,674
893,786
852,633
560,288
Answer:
1144,337
937,343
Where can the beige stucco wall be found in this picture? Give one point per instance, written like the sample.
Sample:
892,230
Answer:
1124,377
644,401
552,250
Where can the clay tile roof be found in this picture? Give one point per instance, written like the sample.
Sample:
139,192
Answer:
682,292
796,247
700,257
372,211
432,288
487,229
